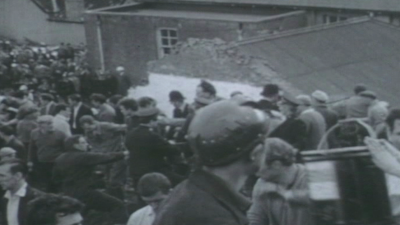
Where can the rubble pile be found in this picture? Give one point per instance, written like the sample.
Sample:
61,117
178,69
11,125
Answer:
216,59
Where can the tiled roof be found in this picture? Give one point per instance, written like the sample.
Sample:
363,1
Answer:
374,5
335,57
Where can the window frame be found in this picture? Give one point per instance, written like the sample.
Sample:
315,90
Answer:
169,37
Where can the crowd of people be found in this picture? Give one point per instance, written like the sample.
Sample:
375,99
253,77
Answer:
68,154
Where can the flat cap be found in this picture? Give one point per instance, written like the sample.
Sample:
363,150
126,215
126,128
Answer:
320,96
6,151
368,94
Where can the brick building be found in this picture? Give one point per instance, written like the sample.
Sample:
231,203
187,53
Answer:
330,11
133,34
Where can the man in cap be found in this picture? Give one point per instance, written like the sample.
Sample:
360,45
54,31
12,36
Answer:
271,96
319,103
340,107
315,122
227,139
148,148
292,130
181,109
357,106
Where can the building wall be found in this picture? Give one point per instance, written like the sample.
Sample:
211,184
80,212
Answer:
131,41
21,19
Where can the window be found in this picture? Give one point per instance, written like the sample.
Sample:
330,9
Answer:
167,39
331,18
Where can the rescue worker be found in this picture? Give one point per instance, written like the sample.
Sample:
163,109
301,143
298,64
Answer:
226,138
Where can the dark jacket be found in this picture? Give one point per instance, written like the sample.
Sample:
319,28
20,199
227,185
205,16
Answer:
50,111
75,169
178,113
293,131
83,111
148,150
267,106
203,199
330,116
31,194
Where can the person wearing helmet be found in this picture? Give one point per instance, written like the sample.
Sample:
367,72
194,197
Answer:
226,138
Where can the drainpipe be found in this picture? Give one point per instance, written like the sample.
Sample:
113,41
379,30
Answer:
100,41
55,6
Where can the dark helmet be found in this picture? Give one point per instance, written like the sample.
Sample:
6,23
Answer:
224,131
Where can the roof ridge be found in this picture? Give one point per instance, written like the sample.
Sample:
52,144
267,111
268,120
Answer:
304,30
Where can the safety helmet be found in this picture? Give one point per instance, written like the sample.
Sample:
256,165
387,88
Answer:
222,132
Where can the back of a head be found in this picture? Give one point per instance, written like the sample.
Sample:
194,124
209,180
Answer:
87,119
208,87
46,208
224,131
278,149
98,98
304,100
152,183
176,96
270,90
144,102
359,88
129,103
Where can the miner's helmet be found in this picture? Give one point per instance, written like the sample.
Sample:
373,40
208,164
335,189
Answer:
224,131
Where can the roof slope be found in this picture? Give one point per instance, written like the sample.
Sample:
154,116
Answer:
335,57
375,5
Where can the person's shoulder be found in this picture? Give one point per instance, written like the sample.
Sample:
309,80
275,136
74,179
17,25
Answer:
140,213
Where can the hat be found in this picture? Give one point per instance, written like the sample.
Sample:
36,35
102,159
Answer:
147,111
23,88
270,89
45,119
288,98
368,94
176,96
320,96
120,68
6,151
304,100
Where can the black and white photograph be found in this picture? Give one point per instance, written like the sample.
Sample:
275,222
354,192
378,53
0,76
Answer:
199,112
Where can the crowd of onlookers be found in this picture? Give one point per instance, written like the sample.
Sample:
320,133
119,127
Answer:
69,151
